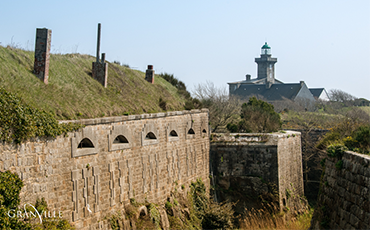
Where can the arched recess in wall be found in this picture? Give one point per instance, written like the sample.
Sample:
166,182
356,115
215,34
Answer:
120,137
149,134
120,140
191,131
204,128
84,142
172,133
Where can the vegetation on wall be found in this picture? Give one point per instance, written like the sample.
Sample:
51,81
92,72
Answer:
19,121
355,136
11,217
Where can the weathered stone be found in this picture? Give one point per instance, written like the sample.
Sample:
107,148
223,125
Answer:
247,162
348,200
98,180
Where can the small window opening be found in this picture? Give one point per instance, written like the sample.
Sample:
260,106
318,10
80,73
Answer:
173,133
204,131
120,140
151,136
85,143
284,203
191,131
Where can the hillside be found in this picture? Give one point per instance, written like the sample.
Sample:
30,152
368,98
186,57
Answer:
73,94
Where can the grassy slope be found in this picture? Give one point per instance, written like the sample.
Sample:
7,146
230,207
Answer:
366,109
72,93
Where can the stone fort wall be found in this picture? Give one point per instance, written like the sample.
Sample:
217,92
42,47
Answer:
93,172
246,167
344,197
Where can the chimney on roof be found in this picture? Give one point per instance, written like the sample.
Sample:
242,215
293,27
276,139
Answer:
302,83
248,77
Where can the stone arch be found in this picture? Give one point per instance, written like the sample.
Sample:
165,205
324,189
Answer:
172,132
84,142
149,134
204,130
120,137
190,130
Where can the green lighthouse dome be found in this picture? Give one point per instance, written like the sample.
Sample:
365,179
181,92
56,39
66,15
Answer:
266,49
265,46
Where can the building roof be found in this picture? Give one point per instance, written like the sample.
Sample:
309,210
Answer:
316,92
275,92
254,81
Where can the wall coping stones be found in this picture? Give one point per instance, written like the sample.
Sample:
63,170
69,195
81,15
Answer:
108,120
251,138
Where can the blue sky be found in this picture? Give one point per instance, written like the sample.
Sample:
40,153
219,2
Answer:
325,43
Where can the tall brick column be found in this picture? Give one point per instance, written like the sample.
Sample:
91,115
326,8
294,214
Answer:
149,75
42,54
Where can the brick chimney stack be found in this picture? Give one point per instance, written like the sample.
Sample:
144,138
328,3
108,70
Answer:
42,54
149,75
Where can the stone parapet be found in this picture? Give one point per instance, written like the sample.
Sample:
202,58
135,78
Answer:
107,120
258,164
344,197
93,172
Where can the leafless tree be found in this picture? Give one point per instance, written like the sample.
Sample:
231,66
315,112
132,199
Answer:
337,95
223,108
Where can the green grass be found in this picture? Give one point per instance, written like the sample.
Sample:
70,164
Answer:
72,93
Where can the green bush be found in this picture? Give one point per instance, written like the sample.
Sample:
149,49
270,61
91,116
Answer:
190,103
212,214
154,215
168,205
336,150
19,121
199,195
259,116
10,187
362,136
233,128
358,140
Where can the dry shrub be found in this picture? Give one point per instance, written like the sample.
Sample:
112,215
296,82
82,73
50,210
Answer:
263,219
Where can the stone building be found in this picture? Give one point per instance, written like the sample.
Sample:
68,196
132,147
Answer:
267,87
